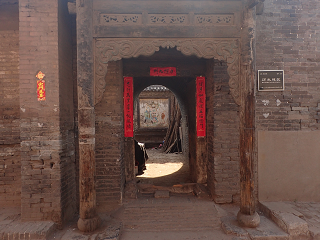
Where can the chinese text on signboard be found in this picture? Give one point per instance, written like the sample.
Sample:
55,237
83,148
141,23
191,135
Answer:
163,71
128,106
201,107
270,80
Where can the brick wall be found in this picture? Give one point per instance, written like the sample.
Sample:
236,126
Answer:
110,139
10,173
66,87
288,38
46,143
223,138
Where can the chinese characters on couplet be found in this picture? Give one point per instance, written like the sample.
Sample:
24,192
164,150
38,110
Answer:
41,86
163,71
128,106
201,106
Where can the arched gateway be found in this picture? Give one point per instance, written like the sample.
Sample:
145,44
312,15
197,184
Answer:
106,38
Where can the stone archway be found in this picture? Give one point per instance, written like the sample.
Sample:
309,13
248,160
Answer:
91,86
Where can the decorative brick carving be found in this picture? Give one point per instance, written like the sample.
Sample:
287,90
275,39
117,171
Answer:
115,19
214,19
168,19
115,49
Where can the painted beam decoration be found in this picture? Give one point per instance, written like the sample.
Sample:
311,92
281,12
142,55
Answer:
128,106
41,86
163,71
201,106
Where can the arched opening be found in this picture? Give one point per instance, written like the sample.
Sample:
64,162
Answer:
158,126
183,87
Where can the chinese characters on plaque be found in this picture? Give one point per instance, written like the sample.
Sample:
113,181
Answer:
270,80
163,71
41,87
128,106
201,106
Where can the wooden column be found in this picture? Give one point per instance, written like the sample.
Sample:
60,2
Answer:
88,221
247,215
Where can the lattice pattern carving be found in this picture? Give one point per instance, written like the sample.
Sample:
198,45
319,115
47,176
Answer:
115,49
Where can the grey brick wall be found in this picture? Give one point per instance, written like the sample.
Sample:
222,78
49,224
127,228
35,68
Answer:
47,138
223,138
110,175
10,173
288,38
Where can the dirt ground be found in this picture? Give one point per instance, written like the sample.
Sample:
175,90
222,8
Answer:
165,169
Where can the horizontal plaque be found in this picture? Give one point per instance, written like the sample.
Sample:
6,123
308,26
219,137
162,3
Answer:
115,19
214,19
270,80
163,71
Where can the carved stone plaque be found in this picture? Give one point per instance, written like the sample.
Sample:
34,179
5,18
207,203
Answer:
168,19
214,19
115,19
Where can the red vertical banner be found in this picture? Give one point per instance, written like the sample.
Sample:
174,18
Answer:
41,90
201,106
128,106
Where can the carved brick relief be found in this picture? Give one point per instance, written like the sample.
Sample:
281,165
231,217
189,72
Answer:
168,19
171,19
214,19
115,49
115,19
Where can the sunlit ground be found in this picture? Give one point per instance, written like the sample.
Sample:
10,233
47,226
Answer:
165,169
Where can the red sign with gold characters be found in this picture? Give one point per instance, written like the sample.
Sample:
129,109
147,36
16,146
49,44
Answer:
41,86
163,71
41,90
201,106
128,106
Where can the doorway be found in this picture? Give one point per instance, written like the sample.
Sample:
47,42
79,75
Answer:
192,162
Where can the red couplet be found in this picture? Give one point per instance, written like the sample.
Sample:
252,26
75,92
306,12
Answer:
128,106
163,71
201,106
41,90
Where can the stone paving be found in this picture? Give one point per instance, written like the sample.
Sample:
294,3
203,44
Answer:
179,217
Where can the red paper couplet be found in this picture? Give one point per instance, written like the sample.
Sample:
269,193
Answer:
128,106
163,71
41,90
201,106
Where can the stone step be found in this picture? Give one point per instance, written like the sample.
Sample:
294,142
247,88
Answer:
267,230
287,218
27,230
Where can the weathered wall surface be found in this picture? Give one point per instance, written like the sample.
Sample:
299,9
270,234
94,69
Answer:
110,175
10,167
66,105
288,38
289,166
47,146
223,138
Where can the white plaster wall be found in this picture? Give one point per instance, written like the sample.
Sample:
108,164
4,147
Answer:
289,165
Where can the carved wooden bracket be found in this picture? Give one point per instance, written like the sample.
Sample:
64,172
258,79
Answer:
111,49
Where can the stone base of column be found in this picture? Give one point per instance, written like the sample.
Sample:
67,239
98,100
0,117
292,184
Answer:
89,225
251,221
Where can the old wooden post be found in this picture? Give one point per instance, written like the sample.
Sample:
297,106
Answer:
247,215
88,221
